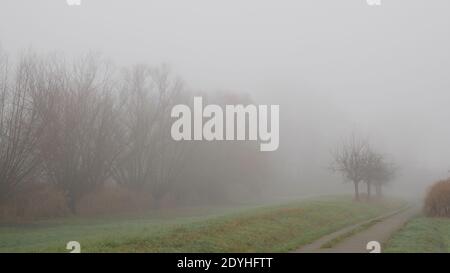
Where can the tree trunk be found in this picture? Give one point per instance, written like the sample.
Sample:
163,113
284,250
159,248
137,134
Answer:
378,190
369,190
72,204
356,191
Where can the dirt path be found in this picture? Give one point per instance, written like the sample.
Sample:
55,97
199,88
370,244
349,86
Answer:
381,230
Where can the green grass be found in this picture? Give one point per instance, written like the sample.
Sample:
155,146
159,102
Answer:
276,228
422,235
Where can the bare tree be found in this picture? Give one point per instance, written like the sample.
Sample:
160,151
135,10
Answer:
357,162
373,165
387,171
350,160
378,172
20,126
151,159
81,141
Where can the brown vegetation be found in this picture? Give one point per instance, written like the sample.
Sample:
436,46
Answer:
35,201
437,201
113,199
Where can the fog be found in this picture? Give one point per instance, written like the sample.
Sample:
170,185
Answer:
334,67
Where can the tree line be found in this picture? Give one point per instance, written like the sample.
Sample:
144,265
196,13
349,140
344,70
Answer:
81,125
359,163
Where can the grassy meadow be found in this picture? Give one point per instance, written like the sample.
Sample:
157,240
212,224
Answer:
422,235
274,228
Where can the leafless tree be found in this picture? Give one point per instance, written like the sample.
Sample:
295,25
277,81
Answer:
358,162
373,165
151,159
350,160
386,172
378,172
81,141
20,126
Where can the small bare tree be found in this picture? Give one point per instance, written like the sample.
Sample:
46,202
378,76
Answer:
373,165
387,171
357,162
378,172
350,160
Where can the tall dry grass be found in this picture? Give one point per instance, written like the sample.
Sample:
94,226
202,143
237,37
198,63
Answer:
437,201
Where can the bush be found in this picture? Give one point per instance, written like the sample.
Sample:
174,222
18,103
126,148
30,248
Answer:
437,202
113,199
35,201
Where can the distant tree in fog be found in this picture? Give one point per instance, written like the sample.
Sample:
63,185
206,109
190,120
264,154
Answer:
385,173
350,159
357,162
373,165
151,158
216,172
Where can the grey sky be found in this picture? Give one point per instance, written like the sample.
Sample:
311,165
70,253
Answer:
333,65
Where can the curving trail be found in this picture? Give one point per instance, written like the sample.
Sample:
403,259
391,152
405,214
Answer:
380,231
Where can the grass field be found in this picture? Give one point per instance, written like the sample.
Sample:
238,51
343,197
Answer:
422,235
276,228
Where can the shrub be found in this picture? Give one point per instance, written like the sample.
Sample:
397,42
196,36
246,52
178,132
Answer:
437,201
35,201
112,199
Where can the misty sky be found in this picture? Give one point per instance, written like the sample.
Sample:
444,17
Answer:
333,66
